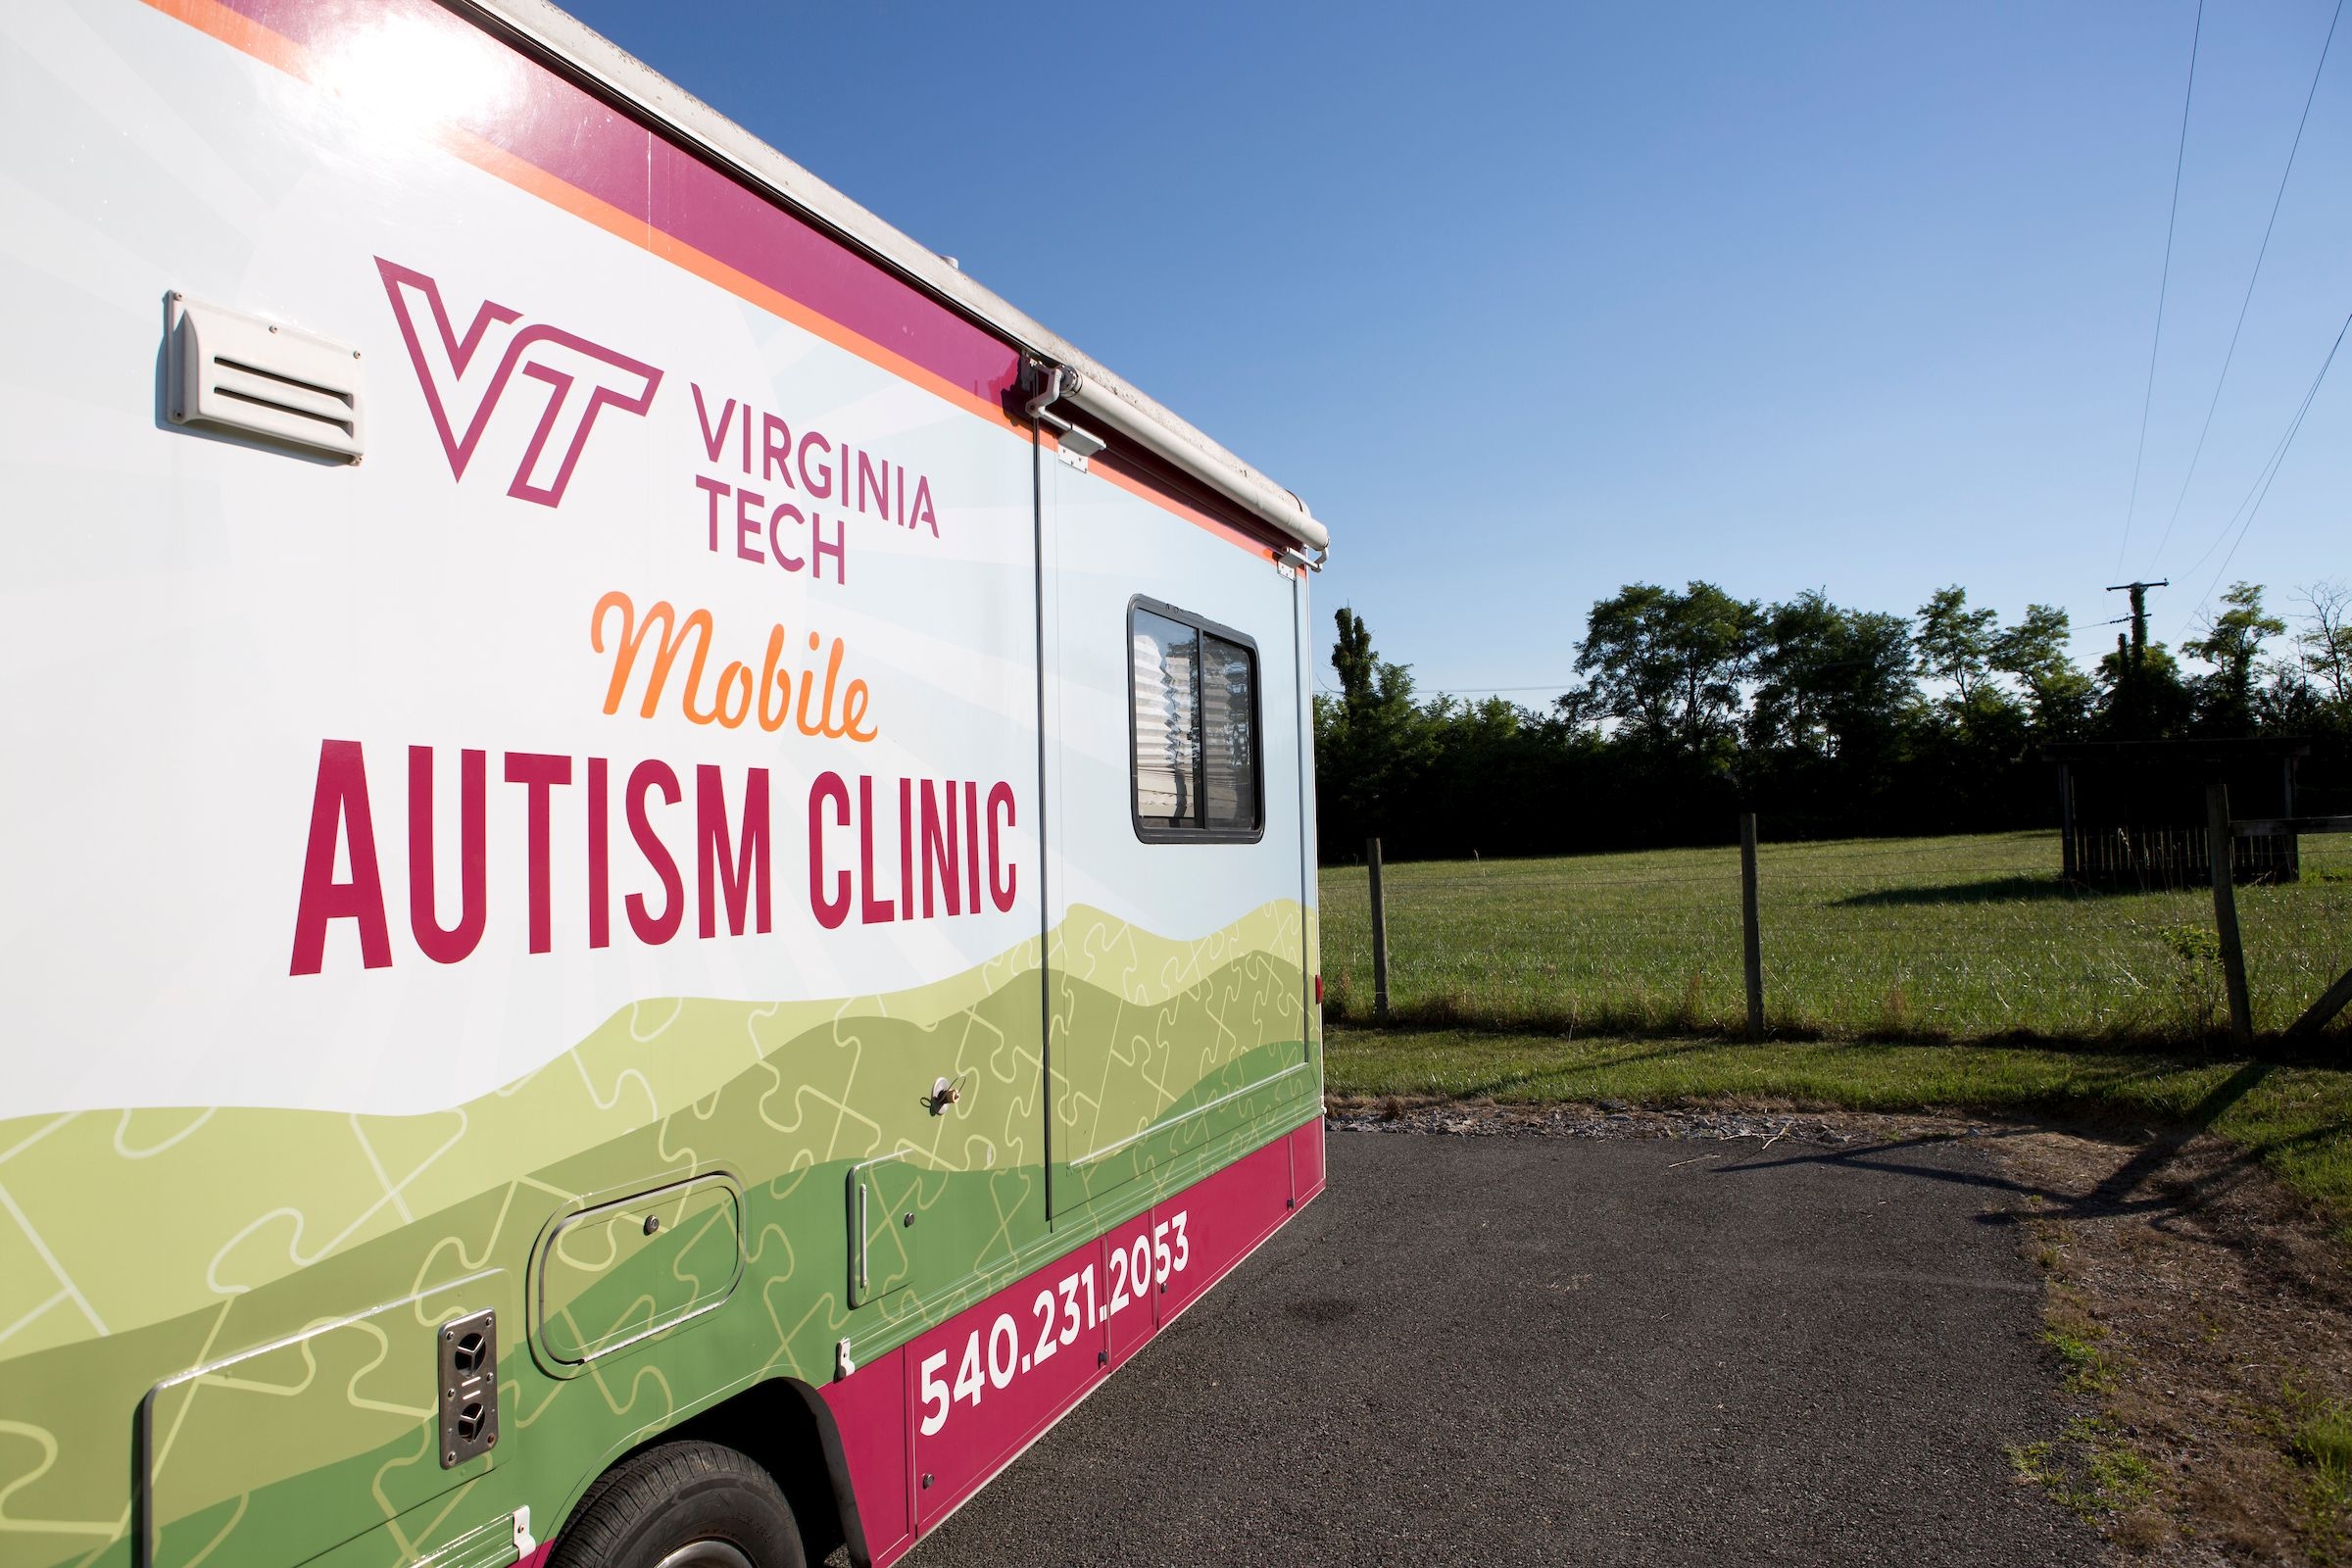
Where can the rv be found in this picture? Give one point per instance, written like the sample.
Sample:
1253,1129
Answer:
658,857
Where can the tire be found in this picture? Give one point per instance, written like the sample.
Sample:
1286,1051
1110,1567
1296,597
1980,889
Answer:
682,1506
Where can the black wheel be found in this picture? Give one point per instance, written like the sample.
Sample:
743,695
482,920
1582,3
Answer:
682,1506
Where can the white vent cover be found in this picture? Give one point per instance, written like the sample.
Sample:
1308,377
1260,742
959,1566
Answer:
235,371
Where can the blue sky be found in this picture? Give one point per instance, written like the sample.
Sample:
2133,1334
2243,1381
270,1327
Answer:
1530,301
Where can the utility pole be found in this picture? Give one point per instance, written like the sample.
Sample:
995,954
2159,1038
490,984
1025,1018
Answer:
2139,613
2135,654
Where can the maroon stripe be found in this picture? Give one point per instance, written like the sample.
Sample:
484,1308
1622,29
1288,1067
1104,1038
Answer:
710,211
561,130
881,1407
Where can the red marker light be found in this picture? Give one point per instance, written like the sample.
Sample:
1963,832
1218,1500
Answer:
1318,991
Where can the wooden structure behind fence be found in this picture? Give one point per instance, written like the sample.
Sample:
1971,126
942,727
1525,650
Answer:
2133,813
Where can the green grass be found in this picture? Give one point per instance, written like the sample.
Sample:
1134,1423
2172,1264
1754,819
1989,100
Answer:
2296,1119
2318,1435
2087,1469
2088,1369
2321,1438
1966,938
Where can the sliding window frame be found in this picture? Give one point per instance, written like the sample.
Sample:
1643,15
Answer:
1155,830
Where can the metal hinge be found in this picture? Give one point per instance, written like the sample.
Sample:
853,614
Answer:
1075,444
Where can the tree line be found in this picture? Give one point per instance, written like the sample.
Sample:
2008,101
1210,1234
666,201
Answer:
1830,720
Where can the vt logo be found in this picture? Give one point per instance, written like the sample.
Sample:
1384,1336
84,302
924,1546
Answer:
463,377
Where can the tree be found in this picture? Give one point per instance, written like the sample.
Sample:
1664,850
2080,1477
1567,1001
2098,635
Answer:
2289,704
1578,710
1669,666
2058,695
1374,695
2142,697
1955,644
1353,657
1831,682
1691,704
2323,646
2232,646
1371,741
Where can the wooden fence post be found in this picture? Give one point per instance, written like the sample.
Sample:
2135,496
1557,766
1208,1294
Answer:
2332,1001
2218,842
1750,933
2070,863
1379,937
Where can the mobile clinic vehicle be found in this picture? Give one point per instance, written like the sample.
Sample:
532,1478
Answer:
657,856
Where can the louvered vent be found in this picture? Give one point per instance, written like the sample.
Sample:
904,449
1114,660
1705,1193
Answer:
234,371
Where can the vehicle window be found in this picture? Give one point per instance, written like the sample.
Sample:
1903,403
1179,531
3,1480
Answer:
1196,739
1167,722
1229,736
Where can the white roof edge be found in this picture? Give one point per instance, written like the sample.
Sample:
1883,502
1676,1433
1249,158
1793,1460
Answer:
1101,394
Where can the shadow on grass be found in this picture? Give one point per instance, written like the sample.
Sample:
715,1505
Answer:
1986,890
2026,890
1502,1083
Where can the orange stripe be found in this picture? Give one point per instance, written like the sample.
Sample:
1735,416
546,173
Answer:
248,36
241,32
1199,519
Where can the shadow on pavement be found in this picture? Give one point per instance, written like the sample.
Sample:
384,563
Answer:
2135,1188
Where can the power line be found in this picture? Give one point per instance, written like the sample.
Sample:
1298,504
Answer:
2255,277
2252,505
2163,286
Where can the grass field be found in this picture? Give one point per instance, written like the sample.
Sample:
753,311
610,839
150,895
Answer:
2297,1120
1949,938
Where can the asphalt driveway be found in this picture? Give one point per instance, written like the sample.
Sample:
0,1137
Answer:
1544,1349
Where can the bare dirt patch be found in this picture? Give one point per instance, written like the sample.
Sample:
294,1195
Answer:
2203,1319
2199,1315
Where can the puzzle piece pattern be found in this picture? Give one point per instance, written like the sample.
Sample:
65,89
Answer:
134,1244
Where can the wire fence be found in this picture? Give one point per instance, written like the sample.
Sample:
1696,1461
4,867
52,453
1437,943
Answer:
1974,938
